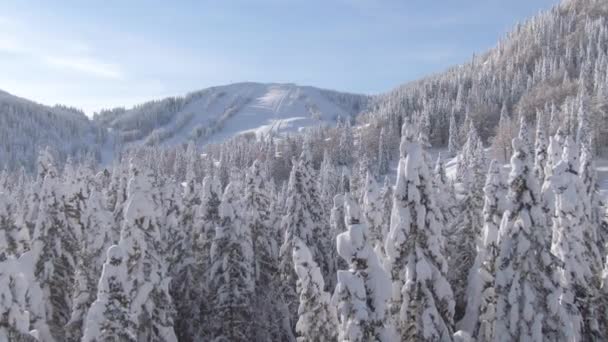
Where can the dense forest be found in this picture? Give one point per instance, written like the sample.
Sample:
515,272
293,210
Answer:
462,207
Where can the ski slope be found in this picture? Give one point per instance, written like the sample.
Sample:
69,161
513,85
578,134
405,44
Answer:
216,114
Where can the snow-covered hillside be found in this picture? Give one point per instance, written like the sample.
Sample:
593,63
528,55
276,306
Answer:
218,113
26,127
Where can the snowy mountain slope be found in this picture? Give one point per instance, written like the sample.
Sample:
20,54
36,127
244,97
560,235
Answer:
26,126
218,113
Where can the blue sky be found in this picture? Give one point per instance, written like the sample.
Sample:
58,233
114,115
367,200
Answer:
99,54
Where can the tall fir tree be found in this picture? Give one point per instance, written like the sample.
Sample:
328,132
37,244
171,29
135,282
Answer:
267,303
98,236
480,316
373,213
317,318
206,220
453,139
540,149
151,307
15,317
232,273
422,305
364,289
54,248
463,239
530,303
573,241
108,318
302,220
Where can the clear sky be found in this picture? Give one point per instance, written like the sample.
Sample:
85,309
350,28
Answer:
95,54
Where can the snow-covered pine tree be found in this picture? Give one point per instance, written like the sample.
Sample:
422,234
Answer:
453,139
75,190
554,155
337,226
467,154
584,133
54,248
363,291
303,220
328,181
479,319
266,302
463,240
14,240
98,236
232,281
422,302
529,299
108,318
346,145
177,236
554,152
185,277
504,135
373,213
317,317
540,148
593,202
574,241
151,307
446,199
14,314
384,153
206,220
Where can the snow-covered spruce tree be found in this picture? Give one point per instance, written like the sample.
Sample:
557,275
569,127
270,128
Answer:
54,248
185,286
593,202
363,291
302,220
467,154
267,303
206,220
337,226
328,181
453,139
554,155
177,234
554,151
480,313
422,302
446,199
504,134
346,145
540,149
98,236
75,188
384,153
232,282
529,302
574,241
14,240
317,317
463,240
584,133
373,213
14,314
108,318
151,308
